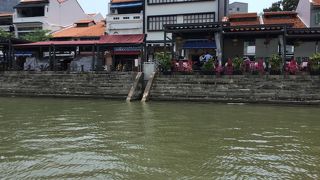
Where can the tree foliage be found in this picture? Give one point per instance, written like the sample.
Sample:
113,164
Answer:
274,7
283,5
5,34
289,5
38,35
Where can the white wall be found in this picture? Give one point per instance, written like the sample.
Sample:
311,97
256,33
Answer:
304,11
125,26
182,8
176,9
266,50
97,18
64,14
125,31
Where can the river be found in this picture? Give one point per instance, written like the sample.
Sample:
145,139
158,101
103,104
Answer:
100,139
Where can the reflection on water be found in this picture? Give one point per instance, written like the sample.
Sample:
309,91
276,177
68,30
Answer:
54,138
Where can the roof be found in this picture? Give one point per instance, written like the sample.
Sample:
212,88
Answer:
285,17
61,43
123,1
40,1
122,39
96,30
280,13
281,17
114,40
243,15
6,14
243,19
34,1
315,2
85,21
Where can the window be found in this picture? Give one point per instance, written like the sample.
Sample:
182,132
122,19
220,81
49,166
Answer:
249,48
317,18
136,17
155,23
126,17
116,18
172,1
199,18
31,11
238,9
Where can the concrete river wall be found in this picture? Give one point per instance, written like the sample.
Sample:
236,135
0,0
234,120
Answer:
117,85
238,89
61,84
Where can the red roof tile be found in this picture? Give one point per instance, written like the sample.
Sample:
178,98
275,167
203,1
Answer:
133,39
244,19
286,17
243,15
122,1
122,39
96,30
6,14
280,13
316,2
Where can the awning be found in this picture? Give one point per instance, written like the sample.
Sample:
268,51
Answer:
126,5
200,44
57,43
108,40
122,39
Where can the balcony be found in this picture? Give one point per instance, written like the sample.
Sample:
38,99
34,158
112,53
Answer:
125,18
125,21
5,28
17,19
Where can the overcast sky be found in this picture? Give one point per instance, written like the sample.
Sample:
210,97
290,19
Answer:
93,6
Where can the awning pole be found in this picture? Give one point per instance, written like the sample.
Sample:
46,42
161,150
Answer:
54,58
50,59
93,58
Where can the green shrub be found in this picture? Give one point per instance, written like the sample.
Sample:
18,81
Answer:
164,60
275,62
314,62
237,63
208,66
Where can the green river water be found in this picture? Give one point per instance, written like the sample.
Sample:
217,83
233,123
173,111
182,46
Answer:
99,139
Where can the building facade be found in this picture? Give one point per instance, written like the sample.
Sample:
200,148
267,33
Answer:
238,7
309,12
125,17
170,12
52,15
6,22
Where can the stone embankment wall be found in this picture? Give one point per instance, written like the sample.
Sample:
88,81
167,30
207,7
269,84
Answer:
58,84
237,89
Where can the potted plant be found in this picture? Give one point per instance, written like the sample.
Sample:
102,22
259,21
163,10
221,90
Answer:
275,64
208,67
164,60
314,64
237,65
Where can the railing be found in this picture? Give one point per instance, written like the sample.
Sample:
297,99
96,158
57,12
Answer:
29,19
5,27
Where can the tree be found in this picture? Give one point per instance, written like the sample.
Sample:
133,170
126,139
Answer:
290,5
284,5
5,34
274,7
38,35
